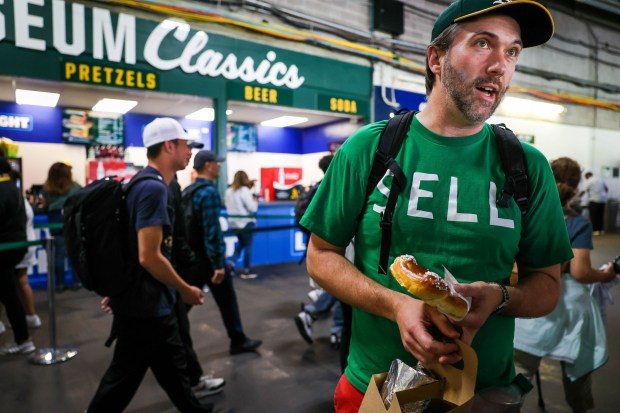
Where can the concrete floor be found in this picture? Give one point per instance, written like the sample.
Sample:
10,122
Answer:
286,375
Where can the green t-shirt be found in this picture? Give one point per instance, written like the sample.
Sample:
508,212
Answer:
445,216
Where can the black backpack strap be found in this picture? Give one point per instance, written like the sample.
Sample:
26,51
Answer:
390,142
513,163
192,189
196,187
141,177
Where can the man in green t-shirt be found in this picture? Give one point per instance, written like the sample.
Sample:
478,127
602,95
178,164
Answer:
446,214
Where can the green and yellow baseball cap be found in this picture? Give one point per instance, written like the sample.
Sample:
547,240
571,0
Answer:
534,19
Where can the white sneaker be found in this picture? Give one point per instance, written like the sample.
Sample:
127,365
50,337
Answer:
33,321
16,349
208,386
334,341
2,327
314,294
304,321
248,276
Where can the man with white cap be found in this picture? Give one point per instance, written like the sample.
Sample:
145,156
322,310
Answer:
446,213
145,323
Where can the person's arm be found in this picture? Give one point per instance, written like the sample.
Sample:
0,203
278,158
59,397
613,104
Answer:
417,321
582,271
249,202
152,259
535,295
213,235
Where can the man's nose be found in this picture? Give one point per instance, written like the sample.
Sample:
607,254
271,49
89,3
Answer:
497,64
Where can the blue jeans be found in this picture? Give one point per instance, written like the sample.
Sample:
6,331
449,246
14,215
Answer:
337,319
321,308
245,243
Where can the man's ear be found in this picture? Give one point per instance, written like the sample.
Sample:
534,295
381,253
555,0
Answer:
168,146
435,59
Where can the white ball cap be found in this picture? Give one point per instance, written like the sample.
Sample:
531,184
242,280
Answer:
162,130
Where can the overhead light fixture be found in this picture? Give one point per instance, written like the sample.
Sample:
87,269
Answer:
229,112
207,114
114,105
34,97
284,121
532,108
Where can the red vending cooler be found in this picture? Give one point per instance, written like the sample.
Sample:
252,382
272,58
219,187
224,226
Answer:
280,184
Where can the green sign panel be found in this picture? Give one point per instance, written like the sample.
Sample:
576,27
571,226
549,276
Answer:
57,40
259,94
343,104
109,75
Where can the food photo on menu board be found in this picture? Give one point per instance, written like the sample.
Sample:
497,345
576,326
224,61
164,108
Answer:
241,137
83,126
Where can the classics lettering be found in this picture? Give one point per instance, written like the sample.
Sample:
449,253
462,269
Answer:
209,62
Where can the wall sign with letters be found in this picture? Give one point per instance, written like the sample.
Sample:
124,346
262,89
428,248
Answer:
14,121
70,41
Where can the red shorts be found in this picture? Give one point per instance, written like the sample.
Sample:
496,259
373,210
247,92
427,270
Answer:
347,399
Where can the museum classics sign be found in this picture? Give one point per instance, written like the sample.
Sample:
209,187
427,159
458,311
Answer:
54,40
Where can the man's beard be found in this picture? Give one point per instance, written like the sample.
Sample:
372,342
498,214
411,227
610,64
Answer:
460,91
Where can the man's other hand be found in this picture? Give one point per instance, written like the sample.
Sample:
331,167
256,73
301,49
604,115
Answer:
193,296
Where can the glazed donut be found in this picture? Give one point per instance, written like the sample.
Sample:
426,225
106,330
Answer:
428,286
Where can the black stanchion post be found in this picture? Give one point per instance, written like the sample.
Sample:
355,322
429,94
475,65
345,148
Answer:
52,355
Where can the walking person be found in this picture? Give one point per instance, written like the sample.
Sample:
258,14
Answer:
24,290
183,258
321,308
597,199
240,202
145,322
12,229
574,332
446,214
210,267
56,189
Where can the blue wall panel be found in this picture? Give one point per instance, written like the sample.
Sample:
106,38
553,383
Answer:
318,138
279,140
46,124
409,100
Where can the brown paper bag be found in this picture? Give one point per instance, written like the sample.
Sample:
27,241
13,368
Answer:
452,394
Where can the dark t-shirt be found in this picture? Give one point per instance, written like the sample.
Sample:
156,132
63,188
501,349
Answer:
147,203
579,231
